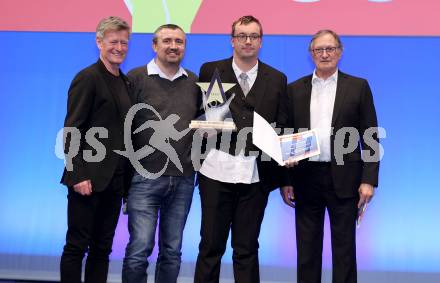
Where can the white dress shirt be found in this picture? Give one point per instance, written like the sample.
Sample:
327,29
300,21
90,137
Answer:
224,167
322,103
153,69
252,73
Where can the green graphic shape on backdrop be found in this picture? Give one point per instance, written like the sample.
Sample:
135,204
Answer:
150,14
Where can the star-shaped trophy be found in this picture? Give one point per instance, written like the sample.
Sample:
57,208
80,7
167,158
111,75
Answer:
217,114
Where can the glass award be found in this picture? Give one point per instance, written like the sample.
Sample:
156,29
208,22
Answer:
216,105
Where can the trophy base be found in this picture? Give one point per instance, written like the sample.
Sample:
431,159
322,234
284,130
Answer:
217,125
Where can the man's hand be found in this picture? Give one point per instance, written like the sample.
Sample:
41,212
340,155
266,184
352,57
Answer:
287,193
83,188
290,164
366,193
209,133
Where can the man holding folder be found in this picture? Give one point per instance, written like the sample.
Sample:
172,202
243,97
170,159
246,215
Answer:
340,107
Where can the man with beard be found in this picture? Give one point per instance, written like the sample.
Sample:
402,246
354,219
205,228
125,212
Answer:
173,99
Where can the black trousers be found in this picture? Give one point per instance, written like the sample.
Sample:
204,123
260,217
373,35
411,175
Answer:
314,192
235,207
91,224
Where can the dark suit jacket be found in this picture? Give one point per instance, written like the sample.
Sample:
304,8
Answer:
353,108
92,103
265,97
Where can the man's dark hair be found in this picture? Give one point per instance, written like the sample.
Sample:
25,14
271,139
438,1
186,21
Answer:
166,26
245,20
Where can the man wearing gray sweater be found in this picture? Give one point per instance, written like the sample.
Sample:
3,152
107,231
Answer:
171,100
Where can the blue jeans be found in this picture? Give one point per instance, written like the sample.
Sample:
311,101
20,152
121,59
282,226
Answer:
167,198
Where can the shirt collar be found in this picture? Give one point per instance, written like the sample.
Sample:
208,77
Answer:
333,77
153,69
237,70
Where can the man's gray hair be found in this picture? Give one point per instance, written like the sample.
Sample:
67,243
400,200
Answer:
111,23
323,32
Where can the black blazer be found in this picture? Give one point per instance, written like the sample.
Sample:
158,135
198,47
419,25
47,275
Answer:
353,107
93,103
265,97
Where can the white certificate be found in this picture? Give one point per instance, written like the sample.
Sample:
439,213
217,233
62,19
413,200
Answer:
292,147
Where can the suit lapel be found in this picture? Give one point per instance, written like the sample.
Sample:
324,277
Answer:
258,90
304,103
340,96
227,75
105,75
256,93
128,100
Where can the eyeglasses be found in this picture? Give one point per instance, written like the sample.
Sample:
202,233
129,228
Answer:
329,50
243,37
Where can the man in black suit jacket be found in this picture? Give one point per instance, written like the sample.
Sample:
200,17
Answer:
234,184
340,179
98,101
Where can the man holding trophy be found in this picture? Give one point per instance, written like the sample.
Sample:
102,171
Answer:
234,182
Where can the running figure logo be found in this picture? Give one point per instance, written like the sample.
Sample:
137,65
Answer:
164,132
